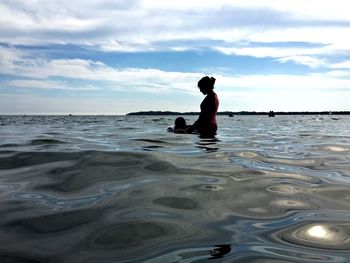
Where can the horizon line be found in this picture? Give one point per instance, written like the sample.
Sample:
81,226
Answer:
152,112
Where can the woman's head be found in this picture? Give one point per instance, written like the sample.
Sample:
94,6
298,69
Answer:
206,84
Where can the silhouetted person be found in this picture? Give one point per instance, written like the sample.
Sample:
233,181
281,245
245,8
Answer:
206,124
180,126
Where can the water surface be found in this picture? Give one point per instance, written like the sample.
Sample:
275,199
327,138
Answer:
122,189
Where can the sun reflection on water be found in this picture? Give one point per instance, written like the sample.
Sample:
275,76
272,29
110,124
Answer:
318,231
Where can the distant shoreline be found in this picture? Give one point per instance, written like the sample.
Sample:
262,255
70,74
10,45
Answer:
233,113
173,113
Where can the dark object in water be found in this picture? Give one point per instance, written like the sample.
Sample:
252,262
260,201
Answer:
219,251
271,114
230,114
180,126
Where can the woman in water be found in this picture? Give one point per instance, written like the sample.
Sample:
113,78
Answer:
206,124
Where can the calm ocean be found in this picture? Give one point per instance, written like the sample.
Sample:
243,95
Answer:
121,189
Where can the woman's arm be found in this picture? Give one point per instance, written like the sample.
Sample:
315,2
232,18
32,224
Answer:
192,127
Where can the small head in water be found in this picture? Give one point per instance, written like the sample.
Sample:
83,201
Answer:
180,124
206,84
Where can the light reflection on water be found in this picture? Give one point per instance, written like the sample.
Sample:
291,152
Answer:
119,188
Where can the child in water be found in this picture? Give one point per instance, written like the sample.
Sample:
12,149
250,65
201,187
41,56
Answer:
180,126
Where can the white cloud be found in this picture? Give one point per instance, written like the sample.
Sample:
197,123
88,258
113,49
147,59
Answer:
309,61
46,84
153,25
337,74
118,47
122,25
317,9
323,43
334,37
41,72
8,59
342,65
287,101
274,52
284,82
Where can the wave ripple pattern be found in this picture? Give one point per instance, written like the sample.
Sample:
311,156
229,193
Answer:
121,189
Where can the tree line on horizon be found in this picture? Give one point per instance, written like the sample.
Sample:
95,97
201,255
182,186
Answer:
232,113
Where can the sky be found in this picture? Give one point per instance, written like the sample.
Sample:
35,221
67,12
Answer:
120,56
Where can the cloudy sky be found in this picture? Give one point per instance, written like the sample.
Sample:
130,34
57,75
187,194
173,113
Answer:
119,56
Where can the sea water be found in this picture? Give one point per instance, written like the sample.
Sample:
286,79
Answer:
122,189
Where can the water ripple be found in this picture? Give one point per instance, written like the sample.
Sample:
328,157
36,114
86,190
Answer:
121,189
